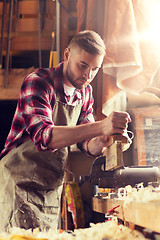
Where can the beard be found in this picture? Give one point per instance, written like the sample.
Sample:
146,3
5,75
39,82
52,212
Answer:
73,80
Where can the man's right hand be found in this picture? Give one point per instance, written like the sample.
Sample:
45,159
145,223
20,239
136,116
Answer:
116,122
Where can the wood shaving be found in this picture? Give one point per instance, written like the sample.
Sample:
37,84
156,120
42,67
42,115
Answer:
139,194
108,230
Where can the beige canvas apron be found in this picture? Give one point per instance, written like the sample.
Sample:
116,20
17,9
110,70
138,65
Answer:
31,180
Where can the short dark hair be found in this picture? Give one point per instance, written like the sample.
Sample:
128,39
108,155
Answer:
89,41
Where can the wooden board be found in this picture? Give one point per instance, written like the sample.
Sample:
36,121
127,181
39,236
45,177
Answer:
29,43
114,156
15,79
31,7
31,25
144,214
103,206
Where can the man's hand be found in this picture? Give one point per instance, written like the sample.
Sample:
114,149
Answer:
116,122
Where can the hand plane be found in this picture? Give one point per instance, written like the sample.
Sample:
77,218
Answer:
108,171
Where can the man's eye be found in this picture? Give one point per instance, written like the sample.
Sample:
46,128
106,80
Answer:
83,66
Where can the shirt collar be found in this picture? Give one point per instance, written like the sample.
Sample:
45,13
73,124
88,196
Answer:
79,93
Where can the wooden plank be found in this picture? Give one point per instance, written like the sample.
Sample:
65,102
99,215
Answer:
9,93
140,141
114,156
103,206
31,24
29,34
15,79
28,7
144,214
31,8
31,43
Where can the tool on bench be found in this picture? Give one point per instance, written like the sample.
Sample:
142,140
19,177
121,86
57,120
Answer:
108,171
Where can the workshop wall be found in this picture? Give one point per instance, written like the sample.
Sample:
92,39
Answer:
20,50
28,38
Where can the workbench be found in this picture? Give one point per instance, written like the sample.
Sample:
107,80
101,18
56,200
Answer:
144,214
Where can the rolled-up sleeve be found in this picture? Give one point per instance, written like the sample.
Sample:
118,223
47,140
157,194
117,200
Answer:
37,110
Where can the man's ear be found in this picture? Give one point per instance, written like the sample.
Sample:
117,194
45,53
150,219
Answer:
66,54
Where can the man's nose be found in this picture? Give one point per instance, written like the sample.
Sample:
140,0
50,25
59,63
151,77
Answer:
88,73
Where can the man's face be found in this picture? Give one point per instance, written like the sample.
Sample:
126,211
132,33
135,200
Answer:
81,68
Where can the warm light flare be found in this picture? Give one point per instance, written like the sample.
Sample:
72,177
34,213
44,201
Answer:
151,30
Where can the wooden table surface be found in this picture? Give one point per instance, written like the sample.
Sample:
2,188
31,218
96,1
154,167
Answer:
144,214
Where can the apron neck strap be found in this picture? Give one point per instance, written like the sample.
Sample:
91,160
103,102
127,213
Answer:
58,85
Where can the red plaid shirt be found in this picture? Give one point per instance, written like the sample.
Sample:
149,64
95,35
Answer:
33,115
